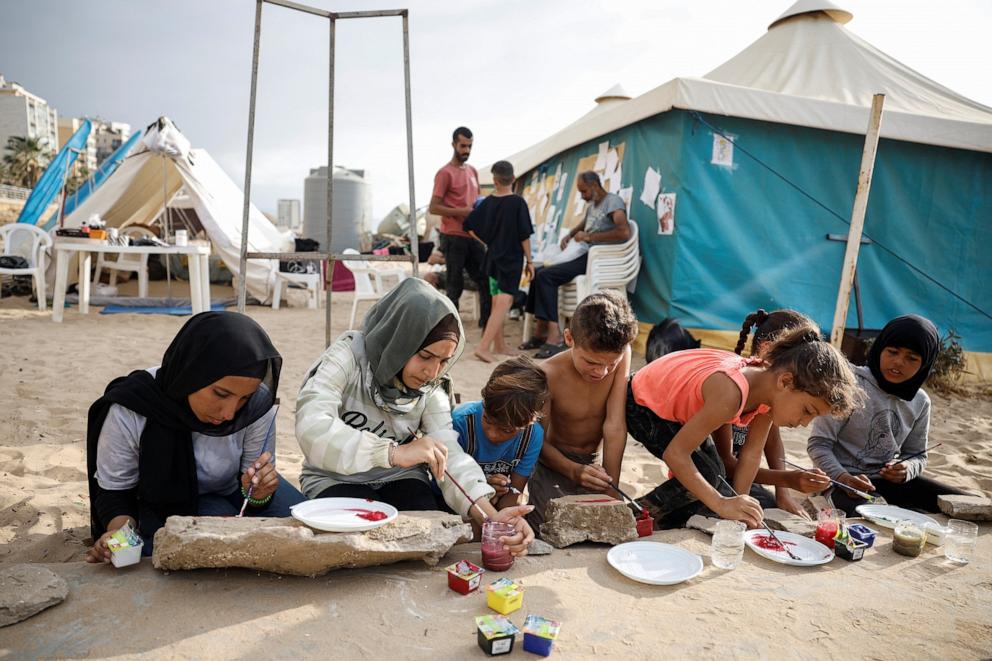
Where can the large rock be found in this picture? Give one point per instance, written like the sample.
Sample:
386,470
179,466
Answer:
587,517
970,508
286,546
778,519
28,589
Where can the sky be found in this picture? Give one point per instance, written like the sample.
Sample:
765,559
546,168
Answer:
514,71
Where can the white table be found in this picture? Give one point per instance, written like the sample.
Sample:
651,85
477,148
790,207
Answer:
199,271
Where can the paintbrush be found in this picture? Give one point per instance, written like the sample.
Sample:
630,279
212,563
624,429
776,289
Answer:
915,454
764,525
251,486
632,501
858,492
412,435
245,504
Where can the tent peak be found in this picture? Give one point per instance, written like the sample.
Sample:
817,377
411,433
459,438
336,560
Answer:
617,92
840,16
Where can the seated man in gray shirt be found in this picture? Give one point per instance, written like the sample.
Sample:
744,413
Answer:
605,222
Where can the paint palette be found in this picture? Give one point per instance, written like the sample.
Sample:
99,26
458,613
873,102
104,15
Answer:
654,563
809,551
343,514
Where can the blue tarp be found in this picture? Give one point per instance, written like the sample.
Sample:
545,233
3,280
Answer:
93,182
51,182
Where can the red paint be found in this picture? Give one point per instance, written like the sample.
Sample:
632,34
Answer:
496,558
768,543
645,524
825,533
368,515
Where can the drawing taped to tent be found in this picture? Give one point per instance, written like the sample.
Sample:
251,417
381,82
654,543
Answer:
666,213
723,151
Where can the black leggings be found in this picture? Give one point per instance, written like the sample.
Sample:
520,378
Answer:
670,502
917,494
404,495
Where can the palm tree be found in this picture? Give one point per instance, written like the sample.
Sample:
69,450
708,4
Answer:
77,179
26,160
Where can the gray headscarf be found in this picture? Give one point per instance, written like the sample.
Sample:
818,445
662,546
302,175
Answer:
394,330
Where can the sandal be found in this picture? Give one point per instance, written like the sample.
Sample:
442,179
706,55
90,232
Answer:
549,350
533,343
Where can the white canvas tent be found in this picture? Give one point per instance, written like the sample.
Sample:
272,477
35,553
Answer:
151,177
806,70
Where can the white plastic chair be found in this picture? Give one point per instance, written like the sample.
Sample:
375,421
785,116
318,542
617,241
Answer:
309,280
369,285
133,263
31,243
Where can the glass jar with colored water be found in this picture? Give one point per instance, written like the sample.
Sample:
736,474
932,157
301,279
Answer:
829,523
909,539
495,556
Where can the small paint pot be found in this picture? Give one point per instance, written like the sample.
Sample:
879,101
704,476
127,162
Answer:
909,539
495,634
504,596
464,577
128,555
862,533
645,524
540,634
850,549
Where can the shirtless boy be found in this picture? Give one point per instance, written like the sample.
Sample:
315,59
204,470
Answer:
588,386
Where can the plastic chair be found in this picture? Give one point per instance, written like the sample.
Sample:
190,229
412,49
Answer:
133,263
369,285
309,280
31,243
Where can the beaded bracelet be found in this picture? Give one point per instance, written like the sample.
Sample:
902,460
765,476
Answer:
256,502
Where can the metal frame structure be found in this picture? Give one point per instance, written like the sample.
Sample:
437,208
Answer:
328,257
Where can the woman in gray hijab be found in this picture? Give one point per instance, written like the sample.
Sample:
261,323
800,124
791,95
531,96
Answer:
373,416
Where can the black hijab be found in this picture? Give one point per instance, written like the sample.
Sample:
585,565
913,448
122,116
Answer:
209,347
911,332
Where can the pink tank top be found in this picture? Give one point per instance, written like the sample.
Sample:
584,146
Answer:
672,386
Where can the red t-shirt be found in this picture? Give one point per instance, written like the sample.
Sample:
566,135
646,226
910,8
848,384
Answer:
457,186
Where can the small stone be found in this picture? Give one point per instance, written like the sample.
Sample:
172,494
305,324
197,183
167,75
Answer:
778,519
539,547
286,546
706,524
587,517
969,508
26,590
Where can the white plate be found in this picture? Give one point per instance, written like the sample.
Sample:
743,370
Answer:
890,515
809,551
337,515
654,563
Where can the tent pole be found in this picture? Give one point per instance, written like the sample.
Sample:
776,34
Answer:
165,226
329,276
414,239
857,221
243,265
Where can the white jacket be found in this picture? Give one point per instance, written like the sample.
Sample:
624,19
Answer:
345,437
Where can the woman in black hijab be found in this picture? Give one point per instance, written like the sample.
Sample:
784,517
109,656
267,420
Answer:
882,447
189,437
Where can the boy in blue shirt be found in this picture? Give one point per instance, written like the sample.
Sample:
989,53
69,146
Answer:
500,432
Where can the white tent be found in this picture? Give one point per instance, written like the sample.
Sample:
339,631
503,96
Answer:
155,172
807,70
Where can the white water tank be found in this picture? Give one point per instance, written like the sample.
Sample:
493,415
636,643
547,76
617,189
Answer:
352,207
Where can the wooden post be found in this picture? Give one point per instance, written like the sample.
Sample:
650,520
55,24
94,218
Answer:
857,221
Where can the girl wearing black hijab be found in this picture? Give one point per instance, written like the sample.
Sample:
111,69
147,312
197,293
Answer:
862,451
189,437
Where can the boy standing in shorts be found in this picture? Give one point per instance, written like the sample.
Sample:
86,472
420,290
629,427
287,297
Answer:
588,385
502,223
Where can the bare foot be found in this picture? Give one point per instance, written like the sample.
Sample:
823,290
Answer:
484,356
506,351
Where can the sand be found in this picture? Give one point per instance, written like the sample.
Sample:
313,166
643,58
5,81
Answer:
886,606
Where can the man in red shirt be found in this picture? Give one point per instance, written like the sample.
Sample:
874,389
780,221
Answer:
456,187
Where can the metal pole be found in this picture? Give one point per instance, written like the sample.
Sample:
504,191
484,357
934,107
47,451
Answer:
329,278
165,227
243,266
857,220
414,241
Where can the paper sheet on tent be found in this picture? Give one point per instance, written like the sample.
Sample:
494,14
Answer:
652,185
666,213
600,164
626,194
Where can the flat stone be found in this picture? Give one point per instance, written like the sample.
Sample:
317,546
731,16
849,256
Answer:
587,517
26,590
706,524
286,546
778,519
970,508
539,547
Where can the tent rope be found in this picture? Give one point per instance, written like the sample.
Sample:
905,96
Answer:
847,222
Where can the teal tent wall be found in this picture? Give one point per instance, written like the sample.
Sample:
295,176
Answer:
745,238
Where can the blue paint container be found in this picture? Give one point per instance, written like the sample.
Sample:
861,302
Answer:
862,534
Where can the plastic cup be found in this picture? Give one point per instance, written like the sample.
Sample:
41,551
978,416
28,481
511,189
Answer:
494,556
829,523
727,547
960,540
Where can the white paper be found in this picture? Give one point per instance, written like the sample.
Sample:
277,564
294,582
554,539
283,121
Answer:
579,205
723,151
626,194
613,178
561,187
601,157
666,213
611,161
652,185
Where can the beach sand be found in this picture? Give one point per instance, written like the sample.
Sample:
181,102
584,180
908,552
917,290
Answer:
886,606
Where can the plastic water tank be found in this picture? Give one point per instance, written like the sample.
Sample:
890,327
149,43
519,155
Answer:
352,207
